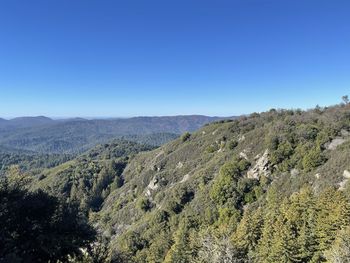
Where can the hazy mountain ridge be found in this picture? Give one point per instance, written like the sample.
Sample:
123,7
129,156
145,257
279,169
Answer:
45,135
20,122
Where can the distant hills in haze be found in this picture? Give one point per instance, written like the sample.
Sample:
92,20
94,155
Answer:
46,135
20,122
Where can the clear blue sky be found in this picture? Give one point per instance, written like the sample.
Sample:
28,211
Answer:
168,57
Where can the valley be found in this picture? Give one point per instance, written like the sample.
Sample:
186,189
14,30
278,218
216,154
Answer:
72,136
187,131
221,193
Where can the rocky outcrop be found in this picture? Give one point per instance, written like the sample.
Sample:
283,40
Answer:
185,178
335,143
153,185
332,145
241,138
294,172
243,155
261,167
346,176
179,165
345,133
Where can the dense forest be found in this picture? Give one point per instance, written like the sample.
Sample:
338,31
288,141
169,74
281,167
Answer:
30,161
37,227
268,187
73,136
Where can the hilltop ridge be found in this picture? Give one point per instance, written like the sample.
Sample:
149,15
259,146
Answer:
44,135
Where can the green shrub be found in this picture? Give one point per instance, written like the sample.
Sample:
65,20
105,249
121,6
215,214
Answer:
173,207
283,151
313,159
225,188
228,218
212,148
322,138
232,144
186,136
144,204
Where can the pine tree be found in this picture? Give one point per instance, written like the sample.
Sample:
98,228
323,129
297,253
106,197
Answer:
271,212
249,230
339,252
333,215
184,248
284,247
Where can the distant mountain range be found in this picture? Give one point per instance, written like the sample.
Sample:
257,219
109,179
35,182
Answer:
25,122
45,135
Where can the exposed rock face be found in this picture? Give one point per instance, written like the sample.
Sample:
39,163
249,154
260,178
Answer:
294,172
179,165
243,155
241,138
152,186
346,176
185,178
261,168
345,133
335,143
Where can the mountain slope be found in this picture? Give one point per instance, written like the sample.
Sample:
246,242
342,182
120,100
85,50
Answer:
22,122
197,188
270,187
76,136
88,178
30,121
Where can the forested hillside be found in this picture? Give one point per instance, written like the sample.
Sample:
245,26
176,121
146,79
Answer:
271,187
88,179
268,187
72,136
44,211
29,161
184,131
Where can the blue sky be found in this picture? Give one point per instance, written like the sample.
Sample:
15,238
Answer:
137,57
